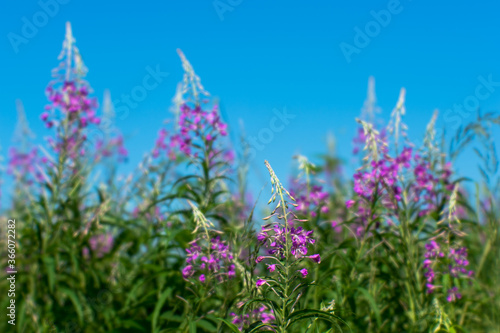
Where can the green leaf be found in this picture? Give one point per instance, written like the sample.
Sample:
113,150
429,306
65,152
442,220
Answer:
192,327
446,281
51,274
256,327
373,305
308,313
76,302
166,293
128,323
232,326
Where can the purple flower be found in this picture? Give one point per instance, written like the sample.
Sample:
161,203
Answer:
216,259
100,245
433,250
260,314
310,201
300,238
260,282
195,124
187,271
25,165
261,237
435,258
336,227
349,203
231,272
430,288
304,272
453,295
316,258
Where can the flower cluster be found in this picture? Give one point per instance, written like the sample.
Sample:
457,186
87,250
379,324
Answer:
112,147
457,267
78,111
361,138
459,262
216,259
425,186
282,239
71,110
358,141
262,313
73,99
381,181
453,295
100,245
275,240
162,144
27,165
312,201
432,255
194,124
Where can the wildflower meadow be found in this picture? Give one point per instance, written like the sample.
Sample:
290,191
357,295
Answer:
402,243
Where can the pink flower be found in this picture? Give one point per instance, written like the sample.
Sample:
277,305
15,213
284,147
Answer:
316,258
187,271
453,295
304,272
260,282
336,227
349,203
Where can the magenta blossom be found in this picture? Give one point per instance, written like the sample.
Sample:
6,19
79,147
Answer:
216,260
260,282
100,245
262,313
275,239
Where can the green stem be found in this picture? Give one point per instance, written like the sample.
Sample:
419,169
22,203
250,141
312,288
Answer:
287,264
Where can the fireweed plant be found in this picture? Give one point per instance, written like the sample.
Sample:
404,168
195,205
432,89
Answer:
402,244
59,229
287,245
404,218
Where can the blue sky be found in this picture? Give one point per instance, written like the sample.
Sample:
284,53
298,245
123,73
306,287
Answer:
259,57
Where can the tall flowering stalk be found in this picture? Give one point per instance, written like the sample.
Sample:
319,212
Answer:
61,230
288,246
209,259
71,114
446,263
193,149
396,126
401,193
195,142
368,115
209,269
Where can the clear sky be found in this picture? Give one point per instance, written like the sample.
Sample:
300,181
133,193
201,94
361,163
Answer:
312,58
